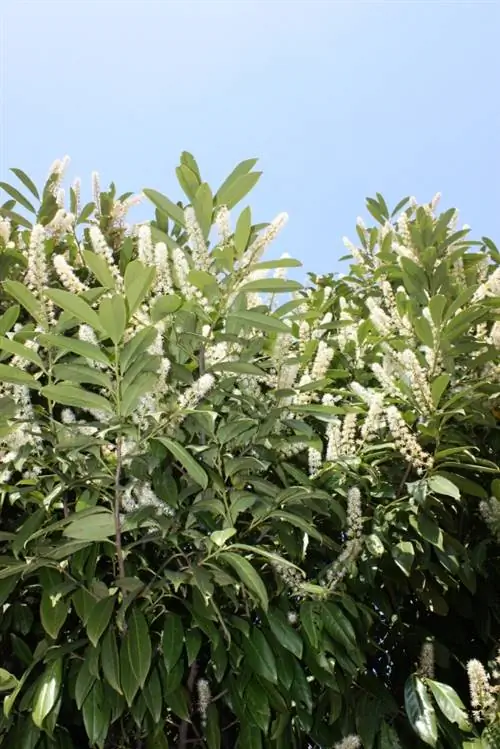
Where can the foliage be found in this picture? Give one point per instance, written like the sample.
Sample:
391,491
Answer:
235,509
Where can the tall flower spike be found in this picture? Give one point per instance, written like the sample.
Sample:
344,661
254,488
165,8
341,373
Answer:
145,245
260,244
102,248
222,221
350,742
67,276
199,249
96,192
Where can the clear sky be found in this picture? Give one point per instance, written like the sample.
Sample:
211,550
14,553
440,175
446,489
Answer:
337,99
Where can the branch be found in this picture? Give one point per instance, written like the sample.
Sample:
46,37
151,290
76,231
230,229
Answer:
117,508
184,726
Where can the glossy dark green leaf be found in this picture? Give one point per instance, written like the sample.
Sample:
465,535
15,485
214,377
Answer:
403,554
53,612
193,644
47,691
259,655
7,681
83,684
178,702
99,618
110,660
137,644
172,640
420,711
96,715
310,622
450,704
153,695
248,576
288,637
441,485
212,728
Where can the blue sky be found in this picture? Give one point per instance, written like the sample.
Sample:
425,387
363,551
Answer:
337,99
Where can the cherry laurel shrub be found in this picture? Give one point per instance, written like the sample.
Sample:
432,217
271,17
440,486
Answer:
237,511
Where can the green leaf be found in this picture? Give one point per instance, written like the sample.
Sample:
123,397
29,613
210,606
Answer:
193,645
70,395
18,349
53,613
131,395
7,681
430,530
75,306
420,711
282,262
165,305
310,622
30,525
84,682
271,285
439,385
220,537
260,321
204,205
437,306
172,640
27,182
212,728
137,346
85,213
9,373
138,281
188,180
166,206
338,625
26,299
242,231
288,637
403,554
75,346
193,468
97,527
99,619
153,695
47,692
248,576
113,317
9,319
178,701
96,714
235,189
100,268
18,197
238,367
16,218
137,645
110,660
441,485
79,373
423,330
257,704
450,704
259,656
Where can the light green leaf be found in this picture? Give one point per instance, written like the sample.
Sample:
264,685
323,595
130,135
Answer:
9,318
99,267
204,205
18,349
242,231
188,180
47,692
113,317
97,527
236,187
70,395
99,619
248,575
75,346
143,383
437,306
26,299
27,181
420,711
403,554
450,704
237,367
79,373
18,197
7,681
220,537
272,285
76,306
137,346
193,468
260,321
282,262
165,205
441,485
16,218
8,373
165,305
138,281
259,655
439,385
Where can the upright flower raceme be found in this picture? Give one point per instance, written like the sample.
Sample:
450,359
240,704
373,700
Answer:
199,250
102,248
264,239
67,276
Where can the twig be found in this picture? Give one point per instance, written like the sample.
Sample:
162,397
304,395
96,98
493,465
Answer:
117,508
183,729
